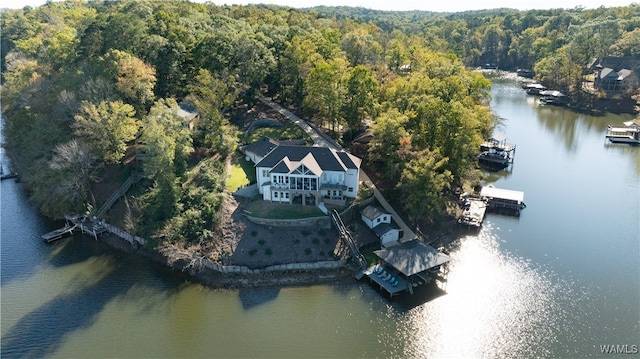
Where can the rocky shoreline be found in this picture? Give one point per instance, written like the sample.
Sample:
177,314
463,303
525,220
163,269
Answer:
187,266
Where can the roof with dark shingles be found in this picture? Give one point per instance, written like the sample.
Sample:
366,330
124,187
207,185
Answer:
412,257
383,228
261,147
282,166
327,159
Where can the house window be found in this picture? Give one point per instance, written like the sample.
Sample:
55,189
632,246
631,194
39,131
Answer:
350,189
275,194
378,220
286,195
265,173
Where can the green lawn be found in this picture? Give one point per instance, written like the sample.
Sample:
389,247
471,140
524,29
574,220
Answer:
242,173
289,131
264,209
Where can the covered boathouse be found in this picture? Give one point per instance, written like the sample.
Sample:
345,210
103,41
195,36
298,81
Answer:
406,266
498,198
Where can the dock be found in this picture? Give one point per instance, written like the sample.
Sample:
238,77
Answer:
495,152
59,233
8,176
498,198
473,212
406,266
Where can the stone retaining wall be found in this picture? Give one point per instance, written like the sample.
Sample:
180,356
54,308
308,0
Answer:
318,222
275,268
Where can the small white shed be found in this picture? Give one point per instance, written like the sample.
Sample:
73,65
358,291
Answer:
374,216
389,235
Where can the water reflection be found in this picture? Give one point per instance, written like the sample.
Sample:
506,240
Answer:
496,305
252,297
567,126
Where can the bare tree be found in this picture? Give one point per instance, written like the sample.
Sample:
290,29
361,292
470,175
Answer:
78,169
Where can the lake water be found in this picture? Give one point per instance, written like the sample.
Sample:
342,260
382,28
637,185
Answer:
561,280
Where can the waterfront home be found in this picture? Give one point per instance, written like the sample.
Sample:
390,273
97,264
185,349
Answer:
614,74
308,175
380,222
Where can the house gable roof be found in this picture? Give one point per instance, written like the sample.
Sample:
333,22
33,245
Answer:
311,164
372,212
326,159
608,73
617,63
284,166
624,73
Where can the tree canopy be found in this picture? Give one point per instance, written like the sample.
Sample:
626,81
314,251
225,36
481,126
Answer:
85,82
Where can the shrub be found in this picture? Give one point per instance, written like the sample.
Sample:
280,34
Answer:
315,241
268,251
261,242
305,232
254,233
322,232
253,252
307,251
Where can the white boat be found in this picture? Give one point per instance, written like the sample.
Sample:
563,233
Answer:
629,133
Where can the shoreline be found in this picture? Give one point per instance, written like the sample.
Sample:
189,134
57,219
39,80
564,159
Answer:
220,281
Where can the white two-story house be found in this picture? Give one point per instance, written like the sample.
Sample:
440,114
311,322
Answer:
308,175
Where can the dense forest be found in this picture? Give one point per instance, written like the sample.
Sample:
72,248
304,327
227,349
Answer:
85,83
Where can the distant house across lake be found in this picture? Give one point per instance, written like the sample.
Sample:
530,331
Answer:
615,75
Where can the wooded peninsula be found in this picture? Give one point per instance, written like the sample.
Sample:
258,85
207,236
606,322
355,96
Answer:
88,87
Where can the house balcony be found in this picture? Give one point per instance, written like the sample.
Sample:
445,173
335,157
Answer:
333,186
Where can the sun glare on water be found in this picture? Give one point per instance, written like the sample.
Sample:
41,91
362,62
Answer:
495,306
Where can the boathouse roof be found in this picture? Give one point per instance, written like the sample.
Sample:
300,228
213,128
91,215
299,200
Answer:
412,257
507,194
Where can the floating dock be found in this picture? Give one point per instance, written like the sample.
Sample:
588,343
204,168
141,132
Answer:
498,198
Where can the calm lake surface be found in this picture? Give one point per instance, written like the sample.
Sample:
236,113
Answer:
559,281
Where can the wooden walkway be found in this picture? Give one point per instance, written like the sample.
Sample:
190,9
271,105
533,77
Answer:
346,237
95,225
119,193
